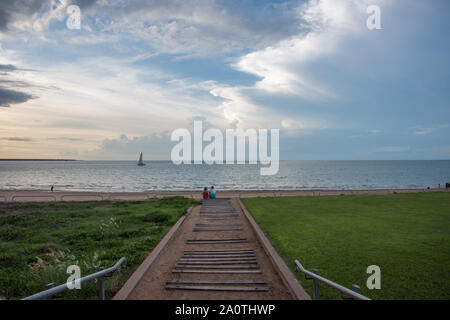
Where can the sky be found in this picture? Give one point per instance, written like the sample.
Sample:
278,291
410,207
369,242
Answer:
137,70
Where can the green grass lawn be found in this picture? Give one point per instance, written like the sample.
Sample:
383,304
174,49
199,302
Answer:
406,235
39,240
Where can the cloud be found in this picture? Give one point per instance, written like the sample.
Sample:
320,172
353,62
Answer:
113,76
283,67
35,15
190,28
392,149
70,139
428,129
7,68
19,139
202,26
84,4
154,147
97,97
197,28
17,10
241,111
8,97
304,123
236,107
8,88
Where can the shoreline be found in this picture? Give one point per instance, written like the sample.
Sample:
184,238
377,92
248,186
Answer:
66,195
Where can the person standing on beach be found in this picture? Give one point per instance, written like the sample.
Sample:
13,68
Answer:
51,189
212,193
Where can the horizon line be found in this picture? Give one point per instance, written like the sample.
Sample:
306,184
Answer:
168,160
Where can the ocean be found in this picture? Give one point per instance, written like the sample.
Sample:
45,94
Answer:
164,175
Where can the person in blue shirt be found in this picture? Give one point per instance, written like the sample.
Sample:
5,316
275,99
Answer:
212,193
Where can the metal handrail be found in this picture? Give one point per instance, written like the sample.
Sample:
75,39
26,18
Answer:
48,294
354,294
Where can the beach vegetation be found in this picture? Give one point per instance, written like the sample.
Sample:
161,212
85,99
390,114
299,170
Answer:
38,241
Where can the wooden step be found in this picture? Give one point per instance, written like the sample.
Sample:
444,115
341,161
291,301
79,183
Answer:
196,262
217,259
216,271
178,281
217,212
217,229
219,218
216,242
218,215
216,239
221,251
216,288
193,266
218,225
202,256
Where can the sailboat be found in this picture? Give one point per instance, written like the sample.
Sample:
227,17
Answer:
141,162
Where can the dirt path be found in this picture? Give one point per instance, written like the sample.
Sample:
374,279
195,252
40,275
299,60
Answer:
191,266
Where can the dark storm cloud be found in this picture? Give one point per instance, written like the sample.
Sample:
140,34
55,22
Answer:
21,84
7,67
8,88
84,4
8,97
14,9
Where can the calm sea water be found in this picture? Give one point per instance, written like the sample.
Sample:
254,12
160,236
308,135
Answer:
163,175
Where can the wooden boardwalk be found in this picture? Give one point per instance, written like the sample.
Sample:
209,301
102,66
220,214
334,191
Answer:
215,254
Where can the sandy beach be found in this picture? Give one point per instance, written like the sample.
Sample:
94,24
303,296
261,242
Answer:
48,196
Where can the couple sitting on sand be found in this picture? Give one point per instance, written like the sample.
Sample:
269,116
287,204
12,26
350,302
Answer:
209,194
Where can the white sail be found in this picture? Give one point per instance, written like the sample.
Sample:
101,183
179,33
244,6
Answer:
141,161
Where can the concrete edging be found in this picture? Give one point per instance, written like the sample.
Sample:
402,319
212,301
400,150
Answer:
132,282
288,278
